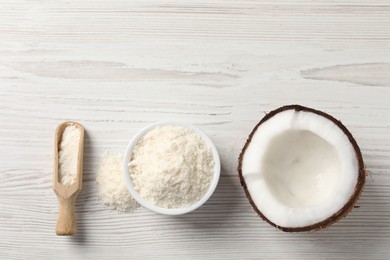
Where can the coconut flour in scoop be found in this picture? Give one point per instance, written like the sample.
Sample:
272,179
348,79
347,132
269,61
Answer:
172,167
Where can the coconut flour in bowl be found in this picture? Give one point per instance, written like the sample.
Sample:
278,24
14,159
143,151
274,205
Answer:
172,166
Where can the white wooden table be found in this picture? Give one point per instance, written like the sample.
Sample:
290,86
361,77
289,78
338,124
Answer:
116,66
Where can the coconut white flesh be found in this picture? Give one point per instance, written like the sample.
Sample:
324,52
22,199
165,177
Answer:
300,168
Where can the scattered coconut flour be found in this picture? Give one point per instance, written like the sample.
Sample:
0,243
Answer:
111,187
172,166
68,154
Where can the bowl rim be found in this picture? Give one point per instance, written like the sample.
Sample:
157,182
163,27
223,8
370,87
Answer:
165,211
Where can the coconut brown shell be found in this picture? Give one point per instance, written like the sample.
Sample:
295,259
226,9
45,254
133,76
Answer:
352,200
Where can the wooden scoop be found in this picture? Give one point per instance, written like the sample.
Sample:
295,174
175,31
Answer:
67,194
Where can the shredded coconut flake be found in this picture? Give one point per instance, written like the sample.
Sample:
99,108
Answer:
172,166
111,187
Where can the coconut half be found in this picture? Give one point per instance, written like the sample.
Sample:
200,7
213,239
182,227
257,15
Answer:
301,169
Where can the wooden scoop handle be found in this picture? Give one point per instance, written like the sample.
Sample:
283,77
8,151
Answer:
66,223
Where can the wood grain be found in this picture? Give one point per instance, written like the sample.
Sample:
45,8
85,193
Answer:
117,66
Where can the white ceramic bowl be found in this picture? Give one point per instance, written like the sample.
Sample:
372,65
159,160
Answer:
147,204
